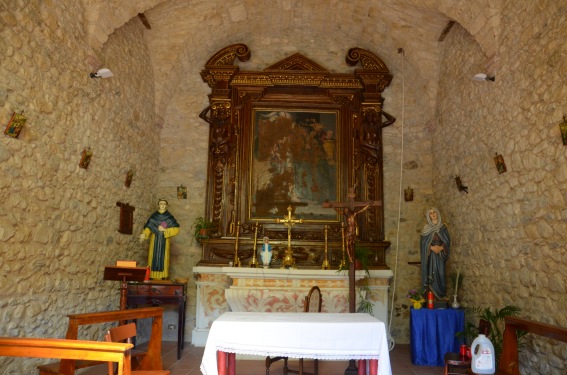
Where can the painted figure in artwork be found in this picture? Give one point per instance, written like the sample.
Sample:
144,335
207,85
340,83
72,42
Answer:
159,228
435,245
266,253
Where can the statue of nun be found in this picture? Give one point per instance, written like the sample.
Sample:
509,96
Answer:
435,245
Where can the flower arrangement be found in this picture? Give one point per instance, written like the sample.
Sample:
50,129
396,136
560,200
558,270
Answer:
416,296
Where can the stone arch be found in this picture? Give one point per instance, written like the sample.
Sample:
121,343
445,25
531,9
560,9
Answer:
103,17
482,19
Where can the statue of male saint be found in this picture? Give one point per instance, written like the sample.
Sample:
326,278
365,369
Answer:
159,228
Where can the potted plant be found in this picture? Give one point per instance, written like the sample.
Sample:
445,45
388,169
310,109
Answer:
417,297
202,228
361,259
496,320
364,304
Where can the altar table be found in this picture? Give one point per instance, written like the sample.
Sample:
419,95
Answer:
324,336
242,289
432,334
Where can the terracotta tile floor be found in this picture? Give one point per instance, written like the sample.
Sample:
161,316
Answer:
191,359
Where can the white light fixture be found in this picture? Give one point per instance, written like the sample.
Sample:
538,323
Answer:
102,73
483,77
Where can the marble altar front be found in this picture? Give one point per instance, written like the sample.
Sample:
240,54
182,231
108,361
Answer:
221,289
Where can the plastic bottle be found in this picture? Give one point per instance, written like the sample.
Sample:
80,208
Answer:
483,360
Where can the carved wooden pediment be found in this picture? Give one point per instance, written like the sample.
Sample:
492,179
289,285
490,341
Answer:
296,62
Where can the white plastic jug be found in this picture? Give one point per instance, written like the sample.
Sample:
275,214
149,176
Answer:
483,359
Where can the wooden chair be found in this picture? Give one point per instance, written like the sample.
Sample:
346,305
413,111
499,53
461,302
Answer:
455,364
124,333
151,358
312,304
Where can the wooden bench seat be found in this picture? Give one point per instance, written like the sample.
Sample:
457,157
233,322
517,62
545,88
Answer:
508,364
148,360
69,350
53,367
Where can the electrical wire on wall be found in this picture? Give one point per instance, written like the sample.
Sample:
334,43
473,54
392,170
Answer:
391,342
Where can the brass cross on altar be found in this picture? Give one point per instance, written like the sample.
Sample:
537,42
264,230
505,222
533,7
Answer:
289,222
349,210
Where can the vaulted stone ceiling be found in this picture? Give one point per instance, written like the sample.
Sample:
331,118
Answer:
185,33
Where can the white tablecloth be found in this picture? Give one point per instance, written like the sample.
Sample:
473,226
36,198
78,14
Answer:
298,335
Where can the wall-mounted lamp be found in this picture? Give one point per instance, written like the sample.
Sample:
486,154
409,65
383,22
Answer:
460,185
483,77
563,129
102,73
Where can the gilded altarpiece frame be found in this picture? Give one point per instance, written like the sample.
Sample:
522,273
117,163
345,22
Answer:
293,134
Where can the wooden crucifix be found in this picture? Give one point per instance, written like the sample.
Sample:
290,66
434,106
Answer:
289,222
350,209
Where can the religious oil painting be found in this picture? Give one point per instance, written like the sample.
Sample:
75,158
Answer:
181,192
294,163
15,125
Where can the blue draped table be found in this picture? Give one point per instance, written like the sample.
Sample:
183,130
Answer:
432,334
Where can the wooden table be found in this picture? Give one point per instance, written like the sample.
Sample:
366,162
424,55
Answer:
159,293
324,336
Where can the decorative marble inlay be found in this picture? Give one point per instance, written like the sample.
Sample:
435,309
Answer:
221,289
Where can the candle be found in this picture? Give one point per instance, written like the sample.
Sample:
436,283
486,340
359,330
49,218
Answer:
457,282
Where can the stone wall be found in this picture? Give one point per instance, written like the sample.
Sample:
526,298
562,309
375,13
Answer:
509,231
58,222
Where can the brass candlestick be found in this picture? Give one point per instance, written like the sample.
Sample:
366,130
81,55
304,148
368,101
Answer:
254,261
236,262
326,265
343,265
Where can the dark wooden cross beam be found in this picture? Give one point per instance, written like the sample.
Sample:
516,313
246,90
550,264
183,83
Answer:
350,203
349,210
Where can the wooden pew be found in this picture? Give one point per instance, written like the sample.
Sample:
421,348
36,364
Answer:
508,364
151,360
68,350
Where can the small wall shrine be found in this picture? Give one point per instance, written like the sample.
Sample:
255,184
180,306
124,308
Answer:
293,136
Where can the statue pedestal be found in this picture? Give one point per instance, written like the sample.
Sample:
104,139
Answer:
221,289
